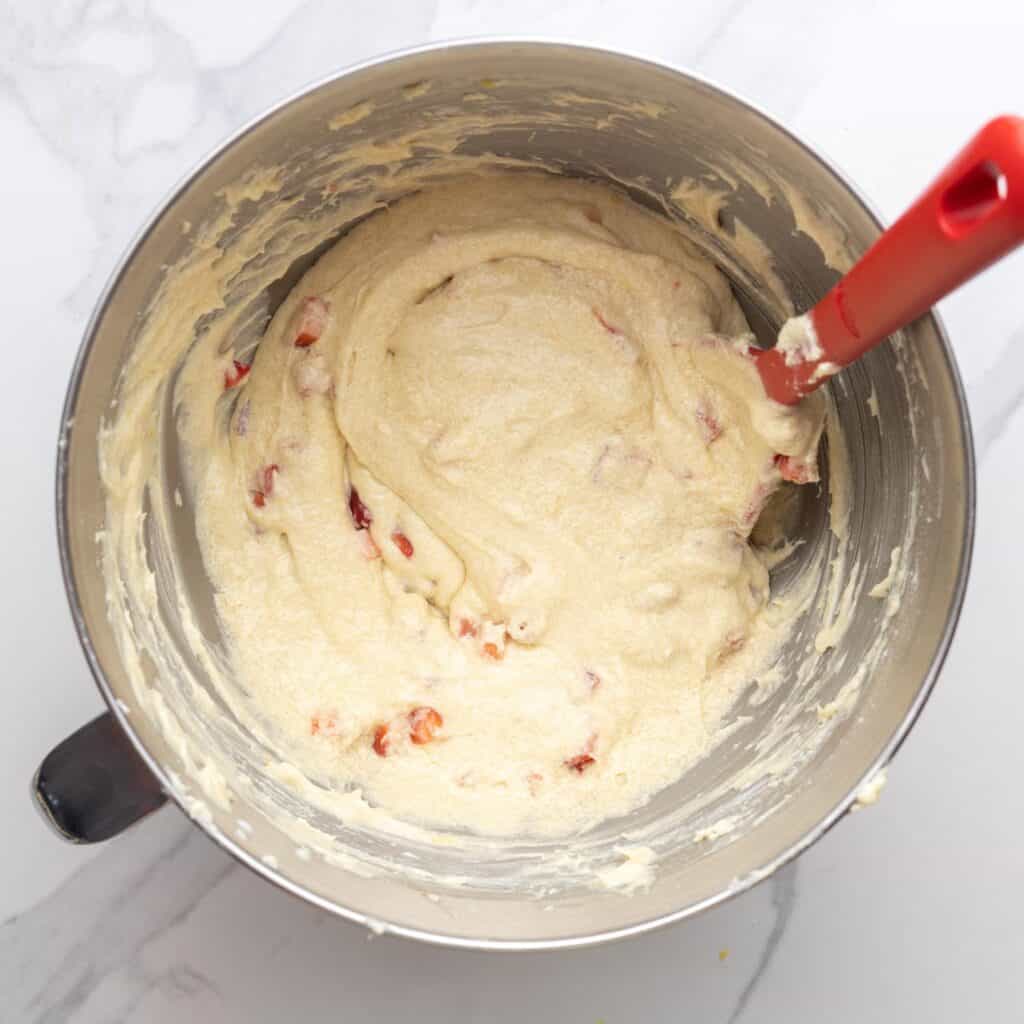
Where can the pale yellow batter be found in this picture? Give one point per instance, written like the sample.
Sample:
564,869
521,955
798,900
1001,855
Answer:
477,516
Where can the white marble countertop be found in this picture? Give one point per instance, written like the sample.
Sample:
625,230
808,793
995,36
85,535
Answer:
914,910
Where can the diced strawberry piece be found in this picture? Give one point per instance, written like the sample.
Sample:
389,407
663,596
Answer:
235,376
360,513
266,488
312,319
755,505
579,763
380,741
466,628
610,328
325,722
492,639
423,723
795,470
534,780
710,428
403,543
734,642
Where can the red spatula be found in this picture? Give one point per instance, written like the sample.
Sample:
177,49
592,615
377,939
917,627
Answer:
971,216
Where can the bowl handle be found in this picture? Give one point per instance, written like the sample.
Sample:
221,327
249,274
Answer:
93,785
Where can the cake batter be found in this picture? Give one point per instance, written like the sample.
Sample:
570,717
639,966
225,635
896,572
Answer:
477,514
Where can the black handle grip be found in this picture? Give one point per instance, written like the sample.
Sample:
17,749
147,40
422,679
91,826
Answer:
94,785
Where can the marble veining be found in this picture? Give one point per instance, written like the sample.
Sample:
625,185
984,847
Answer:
104,105
783,888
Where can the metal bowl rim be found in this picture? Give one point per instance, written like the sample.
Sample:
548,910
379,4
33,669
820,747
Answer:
281,880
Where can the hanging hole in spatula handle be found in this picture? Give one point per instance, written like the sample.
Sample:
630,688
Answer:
972,214
969,202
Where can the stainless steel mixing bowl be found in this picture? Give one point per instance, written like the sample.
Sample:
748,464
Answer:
645,128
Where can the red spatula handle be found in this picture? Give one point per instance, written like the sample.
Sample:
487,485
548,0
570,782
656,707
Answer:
970,216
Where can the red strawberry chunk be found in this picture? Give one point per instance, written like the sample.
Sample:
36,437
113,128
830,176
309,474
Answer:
325,722
466,628
402,543
755,505
795,470
312,319
580,763
235,376
266,488
423,723
610,328
710,428
360,513
733,643
380,741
